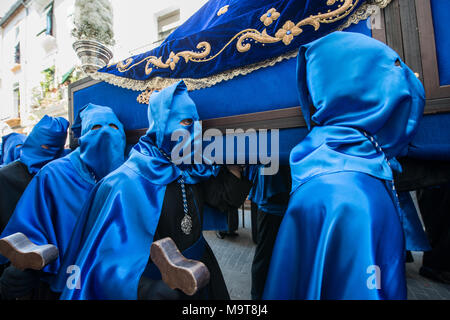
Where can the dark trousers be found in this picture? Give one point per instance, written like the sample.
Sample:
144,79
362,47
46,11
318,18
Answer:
233,220
434,204
267,226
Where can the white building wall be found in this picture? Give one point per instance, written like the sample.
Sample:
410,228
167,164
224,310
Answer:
9,78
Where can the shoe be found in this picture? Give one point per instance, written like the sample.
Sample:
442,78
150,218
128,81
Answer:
220,234
433,274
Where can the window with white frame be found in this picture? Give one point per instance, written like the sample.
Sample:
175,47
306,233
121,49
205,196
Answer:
167,23
16,100
48,21
16,57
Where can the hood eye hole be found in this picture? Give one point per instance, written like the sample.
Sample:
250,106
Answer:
96,127
44,146
186,122
19,145
398,63
112,125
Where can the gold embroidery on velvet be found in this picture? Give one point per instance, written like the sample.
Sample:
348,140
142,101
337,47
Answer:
270,16
123,65
285,34
194,84
157,83
222,10
290,30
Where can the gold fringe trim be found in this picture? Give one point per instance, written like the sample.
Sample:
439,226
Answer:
363,12
158,83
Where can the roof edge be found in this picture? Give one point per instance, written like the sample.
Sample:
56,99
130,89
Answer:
14,8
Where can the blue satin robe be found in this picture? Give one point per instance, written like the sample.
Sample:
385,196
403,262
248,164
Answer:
49,207
121,221
338,229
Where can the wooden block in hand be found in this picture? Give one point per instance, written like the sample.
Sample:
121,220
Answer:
24,254
178,272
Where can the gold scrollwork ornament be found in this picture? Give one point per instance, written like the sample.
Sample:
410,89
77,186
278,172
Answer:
285,34
222,10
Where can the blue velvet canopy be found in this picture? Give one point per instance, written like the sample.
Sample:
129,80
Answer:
226,38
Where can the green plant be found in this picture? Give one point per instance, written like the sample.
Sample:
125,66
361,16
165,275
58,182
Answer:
49,80
75,75
37,96
93,20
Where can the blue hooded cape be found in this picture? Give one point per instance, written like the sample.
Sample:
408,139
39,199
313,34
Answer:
10,148
112,239
49,207
342,237
44,143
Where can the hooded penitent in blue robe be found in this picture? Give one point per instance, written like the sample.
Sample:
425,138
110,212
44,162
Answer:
49,207
44,144
341,237
11,146
141,202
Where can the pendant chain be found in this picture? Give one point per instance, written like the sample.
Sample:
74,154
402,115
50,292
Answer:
186,222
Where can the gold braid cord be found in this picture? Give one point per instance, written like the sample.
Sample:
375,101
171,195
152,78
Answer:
285,34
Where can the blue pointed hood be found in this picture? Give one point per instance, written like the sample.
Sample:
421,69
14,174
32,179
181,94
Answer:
167,109
357,85
11,146
44,143
356,81
102,140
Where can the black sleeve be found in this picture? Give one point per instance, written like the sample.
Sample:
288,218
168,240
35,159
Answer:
418,174
16,283
226,191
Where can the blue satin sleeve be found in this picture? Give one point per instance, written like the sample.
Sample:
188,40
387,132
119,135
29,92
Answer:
43,214
264,187
341,238
121,221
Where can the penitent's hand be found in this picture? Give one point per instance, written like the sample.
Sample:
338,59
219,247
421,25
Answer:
236,170
150,289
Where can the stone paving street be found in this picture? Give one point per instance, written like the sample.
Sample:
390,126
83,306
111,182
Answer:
235,257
